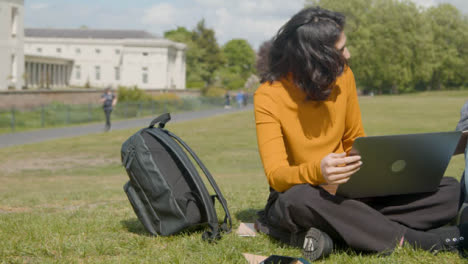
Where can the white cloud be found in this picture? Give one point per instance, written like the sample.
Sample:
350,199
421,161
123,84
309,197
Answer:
254,20
37,6
460,4
163,13
255,29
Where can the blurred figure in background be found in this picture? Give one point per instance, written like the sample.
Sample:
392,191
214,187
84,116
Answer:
108,100
227,100
240,98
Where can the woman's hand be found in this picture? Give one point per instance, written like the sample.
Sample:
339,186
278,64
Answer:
337,168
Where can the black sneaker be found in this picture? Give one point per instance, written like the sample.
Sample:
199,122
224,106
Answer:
315,244
452,238
463,239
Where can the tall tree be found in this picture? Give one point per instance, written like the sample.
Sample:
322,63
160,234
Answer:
399,47
239,64
181,34
203,55
450,51
240,57
209,57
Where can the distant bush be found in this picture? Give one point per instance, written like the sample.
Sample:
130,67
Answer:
166,97
132,94
213,91
195,84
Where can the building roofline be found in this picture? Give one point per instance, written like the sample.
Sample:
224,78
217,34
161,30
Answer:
163,43
46,59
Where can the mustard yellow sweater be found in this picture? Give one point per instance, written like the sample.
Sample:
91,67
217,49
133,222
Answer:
294,134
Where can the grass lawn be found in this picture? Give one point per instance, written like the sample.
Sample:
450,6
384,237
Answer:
62,201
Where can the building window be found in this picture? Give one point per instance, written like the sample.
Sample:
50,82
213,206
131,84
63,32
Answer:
59,50
145,53
98,72
98,51
117,51
39,50
14,21
78,72
117,73
78,51
145,75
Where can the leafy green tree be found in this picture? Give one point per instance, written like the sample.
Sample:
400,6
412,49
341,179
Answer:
450,51
203,55
240,57
181,34
399,47
208,57
240,64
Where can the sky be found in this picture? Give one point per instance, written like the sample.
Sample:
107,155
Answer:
253,20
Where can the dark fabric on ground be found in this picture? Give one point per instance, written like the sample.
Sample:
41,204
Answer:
371,224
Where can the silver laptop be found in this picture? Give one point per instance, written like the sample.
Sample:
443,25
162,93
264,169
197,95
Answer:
400,164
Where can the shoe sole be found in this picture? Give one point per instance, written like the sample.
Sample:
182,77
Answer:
315,244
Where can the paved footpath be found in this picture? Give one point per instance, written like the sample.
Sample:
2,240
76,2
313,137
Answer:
21,138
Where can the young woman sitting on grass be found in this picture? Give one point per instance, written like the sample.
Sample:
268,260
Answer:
307,117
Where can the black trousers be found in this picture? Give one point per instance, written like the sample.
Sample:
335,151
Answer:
371,224
108,112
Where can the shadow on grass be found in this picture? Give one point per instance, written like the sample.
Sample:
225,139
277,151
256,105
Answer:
134,225
248,215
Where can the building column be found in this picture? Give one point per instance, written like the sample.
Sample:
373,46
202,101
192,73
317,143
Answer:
39,75
66,76
33,73
26,74
29,75
51,75
59,74
56,75
36,74
62,75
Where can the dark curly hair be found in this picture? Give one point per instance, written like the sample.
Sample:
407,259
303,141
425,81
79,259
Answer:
305,48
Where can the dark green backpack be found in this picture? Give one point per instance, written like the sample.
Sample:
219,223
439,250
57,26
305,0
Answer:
165,189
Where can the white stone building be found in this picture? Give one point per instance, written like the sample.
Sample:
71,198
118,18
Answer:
11,44
101,58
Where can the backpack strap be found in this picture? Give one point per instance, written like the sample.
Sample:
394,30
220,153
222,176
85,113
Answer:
227,222
162,120
464,179
165,138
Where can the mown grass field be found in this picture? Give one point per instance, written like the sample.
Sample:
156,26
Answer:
62,201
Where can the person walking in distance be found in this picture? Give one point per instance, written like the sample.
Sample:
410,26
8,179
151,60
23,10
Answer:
108,100
240,99
227,100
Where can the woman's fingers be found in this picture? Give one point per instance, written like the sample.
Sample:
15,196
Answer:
344,160
345,169
337,168
341,178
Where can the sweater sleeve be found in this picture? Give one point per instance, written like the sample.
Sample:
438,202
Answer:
280,174
353,125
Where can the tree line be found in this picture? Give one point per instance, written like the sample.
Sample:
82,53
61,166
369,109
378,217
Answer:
398,47
210,66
